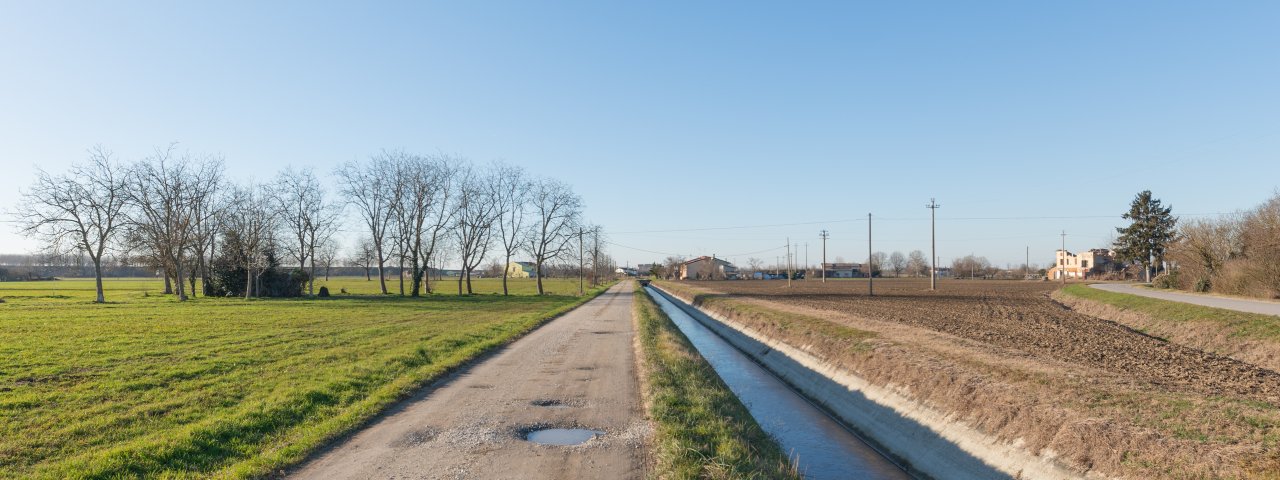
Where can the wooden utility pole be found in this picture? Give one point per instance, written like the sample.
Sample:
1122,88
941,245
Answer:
581,266
824,236
871,269
1062,264
806,261
933,242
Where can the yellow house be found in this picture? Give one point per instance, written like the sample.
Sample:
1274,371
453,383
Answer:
516,270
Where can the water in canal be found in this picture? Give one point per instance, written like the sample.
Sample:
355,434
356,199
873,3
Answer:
819,445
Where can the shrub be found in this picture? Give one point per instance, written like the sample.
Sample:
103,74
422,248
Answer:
1166,280
324,292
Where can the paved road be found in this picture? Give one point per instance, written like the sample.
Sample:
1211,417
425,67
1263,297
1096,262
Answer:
1242,305
471,426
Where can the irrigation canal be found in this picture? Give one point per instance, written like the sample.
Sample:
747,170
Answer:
821,447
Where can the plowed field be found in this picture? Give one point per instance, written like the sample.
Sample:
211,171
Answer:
1021,316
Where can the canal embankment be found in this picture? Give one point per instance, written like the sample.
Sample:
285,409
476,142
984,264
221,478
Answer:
926,441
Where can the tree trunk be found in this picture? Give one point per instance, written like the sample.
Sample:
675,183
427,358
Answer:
177,267
468,273
97,275
506,268
400,273
168,284
538,270
311,281
248,282
460,275
382,274
192,276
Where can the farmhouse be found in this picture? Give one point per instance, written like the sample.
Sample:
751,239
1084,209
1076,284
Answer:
1082,265
522,270
707,268
844,270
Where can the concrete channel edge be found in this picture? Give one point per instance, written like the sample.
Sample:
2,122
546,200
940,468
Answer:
927,442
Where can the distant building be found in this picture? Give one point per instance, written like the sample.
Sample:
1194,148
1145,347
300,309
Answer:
645,268
518,270
628,271
844,270
707,268
522,270
1083,265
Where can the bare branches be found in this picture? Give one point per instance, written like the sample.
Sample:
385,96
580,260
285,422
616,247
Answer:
370,188
556,212
475,211
81,210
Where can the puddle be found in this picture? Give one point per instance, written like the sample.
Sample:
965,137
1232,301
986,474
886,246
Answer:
550,403
561,436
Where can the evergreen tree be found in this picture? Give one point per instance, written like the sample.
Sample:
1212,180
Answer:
1150,231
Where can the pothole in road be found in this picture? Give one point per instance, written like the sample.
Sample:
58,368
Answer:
561,436
549,403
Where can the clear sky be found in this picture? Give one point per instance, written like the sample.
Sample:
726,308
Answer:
689,115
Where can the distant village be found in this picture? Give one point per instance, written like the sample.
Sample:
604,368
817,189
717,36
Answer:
1097,263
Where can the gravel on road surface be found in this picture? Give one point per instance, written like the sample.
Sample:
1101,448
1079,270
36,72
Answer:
578,371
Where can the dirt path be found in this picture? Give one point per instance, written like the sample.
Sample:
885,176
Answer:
1238,304
582,365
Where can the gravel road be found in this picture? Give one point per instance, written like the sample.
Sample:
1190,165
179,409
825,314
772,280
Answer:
577,371
1238,304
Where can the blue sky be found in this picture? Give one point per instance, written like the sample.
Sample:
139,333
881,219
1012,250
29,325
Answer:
688,115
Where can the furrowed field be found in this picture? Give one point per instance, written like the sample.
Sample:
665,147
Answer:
147,386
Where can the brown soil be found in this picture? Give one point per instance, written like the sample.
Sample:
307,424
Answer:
1005,359
1020,315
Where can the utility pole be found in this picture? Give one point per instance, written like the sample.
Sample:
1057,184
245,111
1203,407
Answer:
1026,267
788,262
581,266
1062,263
824,236
933,241
871,269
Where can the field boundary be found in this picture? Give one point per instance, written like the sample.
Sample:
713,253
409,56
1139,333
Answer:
427,386
927,441
1248,337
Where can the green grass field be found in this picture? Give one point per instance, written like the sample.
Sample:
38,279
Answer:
145,386
702,430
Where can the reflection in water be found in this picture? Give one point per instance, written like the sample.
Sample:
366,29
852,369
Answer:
561,436
820,446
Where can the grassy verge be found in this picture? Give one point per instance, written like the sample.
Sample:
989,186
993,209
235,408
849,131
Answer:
148,387
1237,324
702,430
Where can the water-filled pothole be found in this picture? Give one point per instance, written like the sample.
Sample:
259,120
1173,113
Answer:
561,436
549,403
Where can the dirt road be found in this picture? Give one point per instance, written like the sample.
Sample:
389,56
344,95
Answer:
1238,304
576,372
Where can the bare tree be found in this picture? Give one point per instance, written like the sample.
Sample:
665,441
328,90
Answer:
556,212
422,186
876,263
81,210
917,264
475,211
327,254
369,187
363,257
511,187
308,217
166,195
897,263
251,221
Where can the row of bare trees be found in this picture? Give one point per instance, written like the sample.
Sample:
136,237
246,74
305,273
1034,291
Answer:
1234,254
413,206
176,211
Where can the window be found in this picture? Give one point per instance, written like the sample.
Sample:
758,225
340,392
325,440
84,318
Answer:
1084,264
